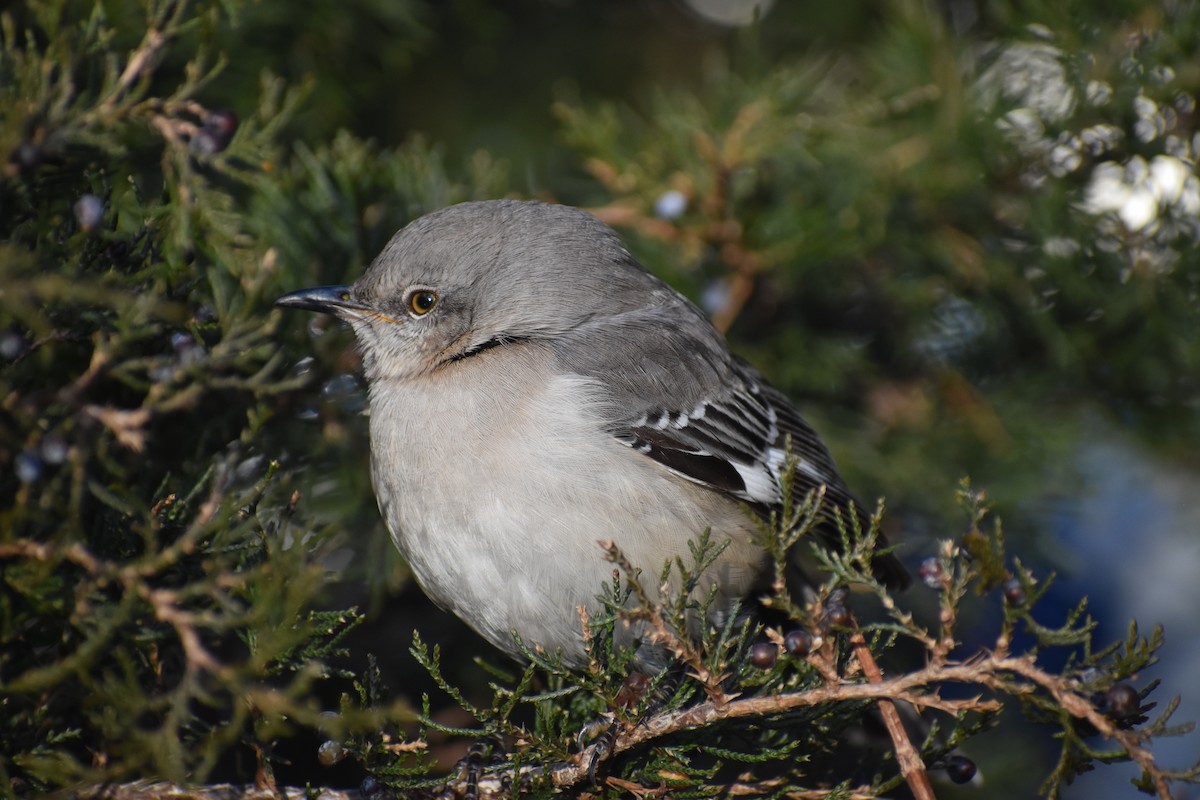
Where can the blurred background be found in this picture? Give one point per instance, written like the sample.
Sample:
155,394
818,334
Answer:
962,236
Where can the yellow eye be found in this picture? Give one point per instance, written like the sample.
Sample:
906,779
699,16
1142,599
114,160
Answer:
422,301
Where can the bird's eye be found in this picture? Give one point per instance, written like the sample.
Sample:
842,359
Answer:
422,301
343,296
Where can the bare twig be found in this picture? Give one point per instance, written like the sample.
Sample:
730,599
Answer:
166,609
911,765
904,688
1008,675
146,57
127,425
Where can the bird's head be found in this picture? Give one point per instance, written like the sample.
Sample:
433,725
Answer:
481,274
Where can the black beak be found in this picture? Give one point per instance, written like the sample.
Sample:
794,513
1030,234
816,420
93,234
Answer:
326,299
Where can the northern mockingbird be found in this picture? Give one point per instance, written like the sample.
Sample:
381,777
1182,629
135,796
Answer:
534,390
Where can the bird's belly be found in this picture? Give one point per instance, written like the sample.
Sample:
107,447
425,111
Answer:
525,555
501,523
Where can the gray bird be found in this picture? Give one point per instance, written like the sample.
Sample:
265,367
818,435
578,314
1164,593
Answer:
534,390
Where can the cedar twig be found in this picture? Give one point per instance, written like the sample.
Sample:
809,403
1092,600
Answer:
1013,675
911,765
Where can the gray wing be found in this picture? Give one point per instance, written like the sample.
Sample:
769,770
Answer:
679,397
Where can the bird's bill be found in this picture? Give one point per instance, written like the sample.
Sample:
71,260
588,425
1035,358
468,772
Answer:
326,299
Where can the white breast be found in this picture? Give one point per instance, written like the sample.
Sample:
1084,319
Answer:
497,497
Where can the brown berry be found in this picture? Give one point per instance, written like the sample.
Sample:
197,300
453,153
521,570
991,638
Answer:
960,769
798,642
836,616
1014,592
330,753
763,654
1122,701
222,123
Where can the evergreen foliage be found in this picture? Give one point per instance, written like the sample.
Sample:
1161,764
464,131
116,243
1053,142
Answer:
961,226
722,724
